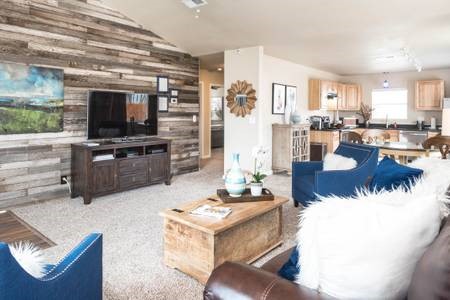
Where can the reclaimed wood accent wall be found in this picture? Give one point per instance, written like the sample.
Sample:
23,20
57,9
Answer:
99,49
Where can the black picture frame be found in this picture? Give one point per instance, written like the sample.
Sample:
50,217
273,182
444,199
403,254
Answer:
163,103
294,102
174,93
278,93
161,86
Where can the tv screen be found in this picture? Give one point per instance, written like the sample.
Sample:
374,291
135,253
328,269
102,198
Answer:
112,115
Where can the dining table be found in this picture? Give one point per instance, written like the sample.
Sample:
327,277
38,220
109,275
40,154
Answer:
402,150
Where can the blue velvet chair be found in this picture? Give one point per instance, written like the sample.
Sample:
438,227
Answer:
76,276
309,179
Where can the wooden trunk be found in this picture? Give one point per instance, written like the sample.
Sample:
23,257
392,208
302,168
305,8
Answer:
196,245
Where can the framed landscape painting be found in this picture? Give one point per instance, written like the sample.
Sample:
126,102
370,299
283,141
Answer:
31,99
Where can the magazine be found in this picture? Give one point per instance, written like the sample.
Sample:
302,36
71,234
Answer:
211,211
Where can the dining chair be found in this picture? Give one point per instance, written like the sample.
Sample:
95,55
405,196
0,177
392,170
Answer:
375,135
351,137
439,141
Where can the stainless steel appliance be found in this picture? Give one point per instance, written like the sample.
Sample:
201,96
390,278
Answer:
316,122
326,123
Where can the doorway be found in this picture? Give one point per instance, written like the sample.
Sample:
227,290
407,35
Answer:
216,94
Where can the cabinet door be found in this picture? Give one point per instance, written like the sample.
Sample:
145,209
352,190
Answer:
334,141
353,96
314,94
327,87
104,176
342,99
429,94
158,167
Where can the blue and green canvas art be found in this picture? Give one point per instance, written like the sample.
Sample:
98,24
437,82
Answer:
31,99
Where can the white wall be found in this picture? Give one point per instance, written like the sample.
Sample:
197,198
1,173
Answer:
288,73
401,80
242,134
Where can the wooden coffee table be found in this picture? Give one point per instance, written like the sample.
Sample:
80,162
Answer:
196,245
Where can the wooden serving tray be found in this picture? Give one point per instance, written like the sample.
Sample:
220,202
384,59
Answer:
245,197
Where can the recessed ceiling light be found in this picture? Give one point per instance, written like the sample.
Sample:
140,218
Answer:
197,16
194,3
219,69
198,10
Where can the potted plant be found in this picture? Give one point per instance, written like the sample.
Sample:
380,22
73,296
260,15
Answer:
366,112
256,185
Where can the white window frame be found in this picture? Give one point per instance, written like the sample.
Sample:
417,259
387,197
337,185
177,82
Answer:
390,116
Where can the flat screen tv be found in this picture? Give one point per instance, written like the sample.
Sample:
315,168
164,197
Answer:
113,115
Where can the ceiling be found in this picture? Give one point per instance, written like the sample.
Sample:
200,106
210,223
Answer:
212,62
345,37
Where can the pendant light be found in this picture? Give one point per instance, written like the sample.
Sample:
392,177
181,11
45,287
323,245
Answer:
385,82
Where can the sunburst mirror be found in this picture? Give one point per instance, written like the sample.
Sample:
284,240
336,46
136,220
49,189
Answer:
241,98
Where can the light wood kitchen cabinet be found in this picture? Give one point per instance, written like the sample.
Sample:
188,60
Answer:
429,94
316,90
328,137
349,95
352,97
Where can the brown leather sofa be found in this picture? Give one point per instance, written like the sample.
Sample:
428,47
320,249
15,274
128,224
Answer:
235,281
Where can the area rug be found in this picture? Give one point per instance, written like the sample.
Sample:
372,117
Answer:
13,229
133,231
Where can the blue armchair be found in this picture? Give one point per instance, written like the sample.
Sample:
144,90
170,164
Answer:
309,179
77,276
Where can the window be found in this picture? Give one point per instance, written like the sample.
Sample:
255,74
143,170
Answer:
392,103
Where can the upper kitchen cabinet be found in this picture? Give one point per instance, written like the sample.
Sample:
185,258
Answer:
352,97
321,93
317,93
429,94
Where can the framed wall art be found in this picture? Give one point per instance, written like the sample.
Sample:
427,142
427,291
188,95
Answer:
162,84
291,97
278,99
163,103
31,99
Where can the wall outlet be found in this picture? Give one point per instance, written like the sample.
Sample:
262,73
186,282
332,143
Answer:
64,179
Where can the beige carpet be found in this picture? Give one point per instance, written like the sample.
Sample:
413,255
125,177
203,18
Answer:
132,229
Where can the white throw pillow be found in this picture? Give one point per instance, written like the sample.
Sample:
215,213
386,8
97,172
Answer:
338,162
29,257
367,247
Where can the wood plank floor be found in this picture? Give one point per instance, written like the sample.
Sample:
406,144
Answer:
14,229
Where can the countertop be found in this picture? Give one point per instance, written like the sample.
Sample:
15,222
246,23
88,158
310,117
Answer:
404,127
